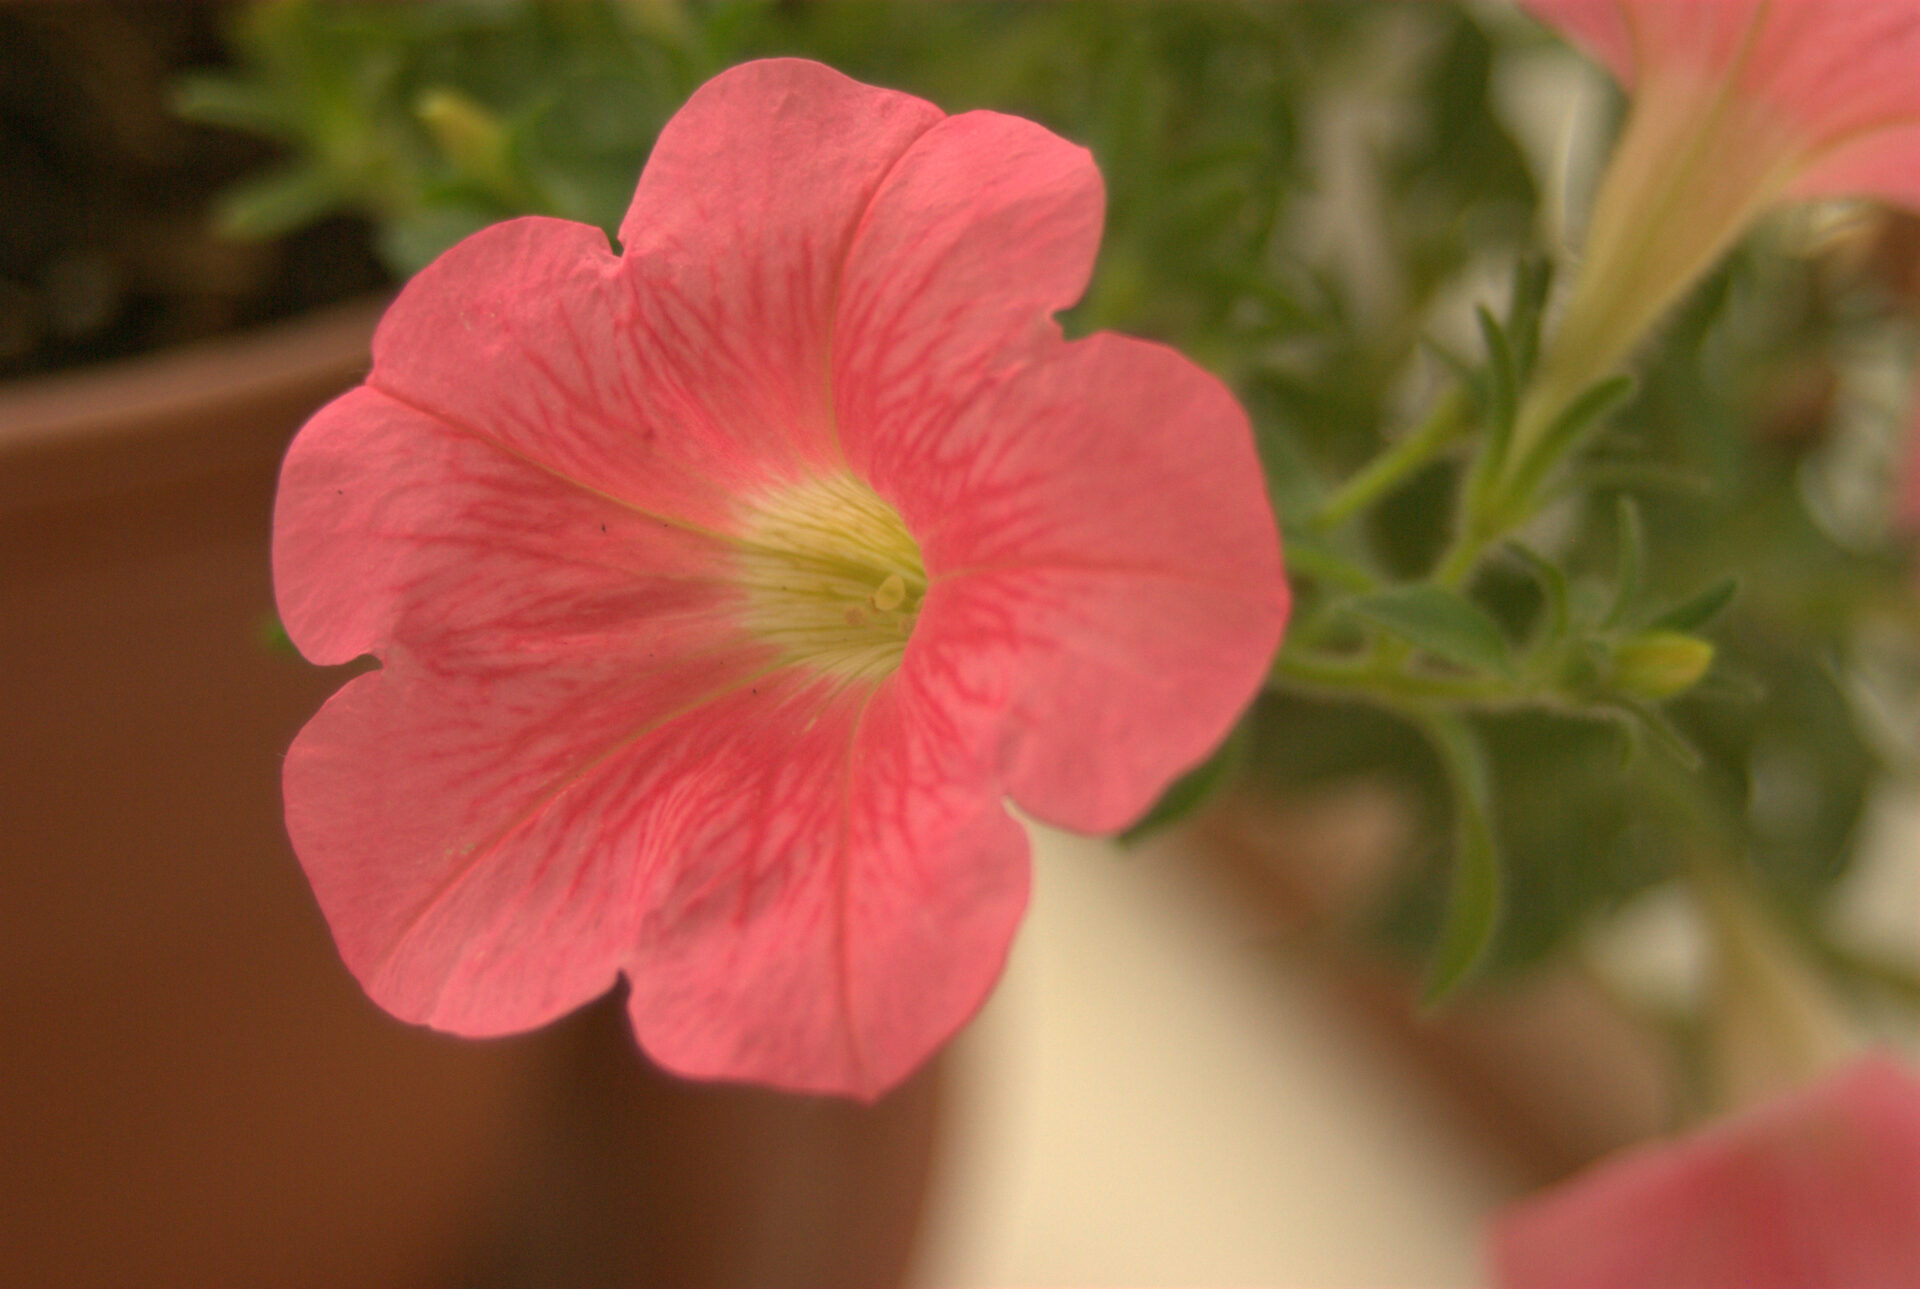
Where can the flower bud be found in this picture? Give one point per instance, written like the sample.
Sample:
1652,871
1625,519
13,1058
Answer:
1660,664
470,136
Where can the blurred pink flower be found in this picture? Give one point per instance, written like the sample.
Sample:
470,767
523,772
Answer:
1736,105
1819,1189
723,588
1828,89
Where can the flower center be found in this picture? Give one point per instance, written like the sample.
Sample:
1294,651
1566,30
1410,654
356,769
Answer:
831,575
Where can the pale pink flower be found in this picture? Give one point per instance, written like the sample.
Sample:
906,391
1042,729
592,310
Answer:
726,587
1737,105
1819,1189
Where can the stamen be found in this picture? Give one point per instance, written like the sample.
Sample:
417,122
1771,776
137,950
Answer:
890,593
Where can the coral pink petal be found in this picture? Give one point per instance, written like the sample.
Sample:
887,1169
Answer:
985,228
473,841
1065,548
847,887
741,226
1841,70
446,805
531,336
1602,29
391,524
1818,1190
1883,163
1842,76
1053,507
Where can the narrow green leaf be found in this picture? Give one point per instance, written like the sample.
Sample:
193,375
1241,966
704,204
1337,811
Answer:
407,244
1473,902
1463,371
276,203
1662,733
271,635
1503,383
1553,585
1579,416
1630,563
1615,475
1532,280
233,104
1633,739
1447,625
1699,609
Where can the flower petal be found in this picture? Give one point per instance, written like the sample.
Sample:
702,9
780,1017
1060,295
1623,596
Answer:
481,845
984,228
1817,1190
1841,77
1067,549
1883,163
449,805
847,888
694,366
740,228
1601,28
531,336
1839,69
389,523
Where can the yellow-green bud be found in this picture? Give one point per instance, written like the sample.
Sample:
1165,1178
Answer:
1660,664
469,134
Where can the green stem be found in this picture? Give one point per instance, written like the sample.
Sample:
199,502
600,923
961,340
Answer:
1393,466
1382,681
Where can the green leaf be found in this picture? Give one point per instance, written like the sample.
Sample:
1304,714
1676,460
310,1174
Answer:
1463,371
1532,280
407,245
1503,382
1646,719
1699,609
1579,416
1630,563
1443,623
1473,900
271,635
1553,586
233,104
275,203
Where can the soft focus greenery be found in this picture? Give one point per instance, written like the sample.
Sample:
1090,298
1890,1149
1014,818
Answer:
1685,632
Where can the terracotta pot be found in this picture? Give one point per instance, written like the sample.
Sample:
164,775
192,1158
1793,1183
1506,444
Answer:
195,1092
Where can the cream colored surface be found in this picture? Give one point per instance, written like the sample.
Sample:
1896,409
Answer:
1155,1097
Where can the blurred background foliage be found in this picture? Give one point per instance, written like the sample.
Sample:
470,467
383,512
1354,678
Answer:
1311,199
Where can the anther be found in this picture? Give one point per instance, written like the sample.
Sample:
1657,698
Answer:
891,592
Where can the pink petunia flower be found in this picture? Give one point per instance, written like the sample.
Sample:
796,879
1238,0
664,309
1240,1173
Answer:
1819,1189
724,588
1736,105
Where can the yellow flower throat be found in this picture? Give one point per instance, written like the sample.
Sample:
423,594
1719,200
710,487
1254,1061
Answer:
831,575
